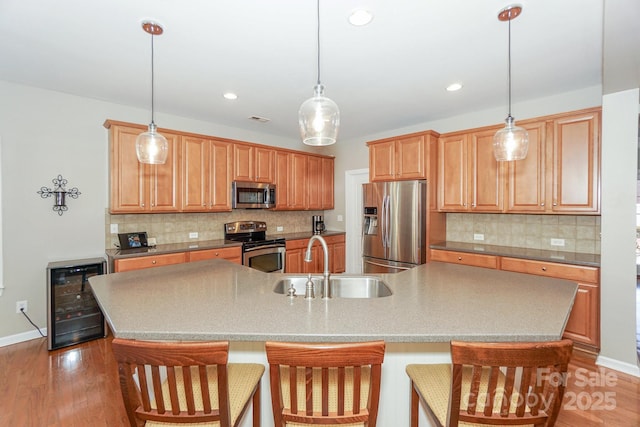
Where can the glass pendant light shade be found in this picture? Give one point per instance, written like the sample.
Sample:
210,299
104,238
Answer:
151,147
319,119
510,142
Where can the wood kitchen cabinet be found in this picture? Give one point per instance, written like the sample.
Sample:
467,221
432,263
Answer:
469,177
303,182
253,163
526,179
401,158
291,181
320,183
465,258
137,187
583,326
206,175
295,250
199,171
233,254
560,175
575,175
149,261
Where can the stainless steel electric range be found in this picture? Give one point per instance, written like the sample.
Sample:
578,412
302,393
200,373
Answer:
258,252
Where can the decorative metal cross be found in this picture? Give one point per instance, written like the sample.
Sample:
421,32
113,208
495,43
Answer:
59,192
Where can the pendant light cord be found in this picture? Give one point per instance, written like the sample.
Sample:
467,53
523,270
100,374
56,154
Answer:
509,56
152,82
318,39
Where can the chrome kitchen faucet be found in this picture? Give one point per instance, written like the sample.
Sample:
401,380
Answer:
325,274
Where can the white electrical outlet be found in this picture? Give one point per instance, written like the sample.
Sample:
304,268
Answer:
21,306
339,218
114,228
193,235
478,236
557,242
279,228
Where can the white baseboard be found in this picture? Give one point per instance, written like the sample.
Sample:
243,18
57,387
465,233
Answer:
25,336
624,367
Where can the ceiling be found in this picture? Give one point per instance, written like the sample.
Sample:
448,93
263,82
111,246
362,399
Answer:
389,74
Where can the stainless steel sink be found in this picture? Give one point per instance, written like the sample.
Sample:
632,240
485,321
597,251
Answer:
342,286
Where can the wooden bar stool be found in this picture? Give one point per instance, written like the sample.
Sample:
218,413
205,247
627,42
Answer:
185,382
329,384
493,384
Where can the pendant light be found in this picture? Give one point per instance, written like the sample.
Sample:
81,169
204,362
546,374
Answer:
151,147
319,116
511,142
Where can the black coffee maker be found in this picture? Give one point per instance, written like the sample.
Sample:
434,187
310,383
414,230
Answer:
317,224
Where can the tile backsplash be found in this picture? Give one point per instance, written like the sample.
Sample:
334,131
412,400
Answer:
175,227
580,233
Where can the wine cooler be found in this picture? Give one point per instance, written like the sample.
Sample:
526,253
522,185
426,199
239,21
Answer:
73,315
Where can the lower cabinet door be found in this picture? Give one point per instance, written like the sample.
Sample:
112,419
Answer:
583,322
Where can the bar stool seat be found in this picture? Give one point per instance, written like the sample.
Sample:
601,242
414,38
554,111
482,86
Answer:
493,384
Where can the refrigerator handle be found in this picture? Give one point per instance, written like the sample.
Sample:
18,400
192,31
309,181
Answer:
387,216
383,220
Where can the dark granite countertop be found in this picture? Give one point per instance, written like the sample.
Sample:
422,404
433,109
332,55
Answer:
575,258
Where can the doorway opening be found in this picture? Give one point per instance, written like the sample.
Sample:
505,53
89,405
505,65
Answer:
353,180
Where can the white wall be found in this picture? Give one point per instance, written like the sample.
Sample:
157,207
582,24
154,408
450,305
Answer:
618,271
44,134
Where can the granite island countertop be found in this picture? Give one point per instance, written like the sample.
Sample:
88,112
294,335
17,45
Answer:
432,303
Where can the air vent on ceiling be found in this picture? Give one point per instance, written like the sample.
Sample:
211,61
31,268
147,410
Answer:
259,119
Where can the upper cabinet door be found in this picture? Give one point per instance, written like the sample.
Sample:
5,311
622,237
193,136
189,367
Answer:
327,196
382,161
410,157
243,162
314,180
265,164
526,182
163,184
195,174
452,173
128,189
576,163
486,185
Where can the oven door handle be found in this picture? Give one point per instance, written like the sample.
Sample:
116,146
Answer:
257,248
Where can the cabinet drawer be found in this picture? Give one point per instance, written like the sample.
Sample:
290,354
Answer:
476,260
232,254
151,261
552,269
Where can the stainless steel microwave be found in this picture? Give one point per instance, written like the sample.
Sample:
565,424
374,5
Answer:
253,195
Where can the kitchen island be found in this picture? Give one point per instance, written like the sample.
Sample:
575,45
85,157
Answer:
430,305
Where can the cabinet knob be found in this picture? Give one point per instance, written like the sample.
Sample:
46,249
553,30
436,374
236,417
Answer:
473,205
459,258
555,204
153,262
143,205
544,268
217,254
541,204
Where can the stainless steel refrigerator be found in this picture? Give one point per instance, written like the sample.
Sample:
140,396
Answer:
394,226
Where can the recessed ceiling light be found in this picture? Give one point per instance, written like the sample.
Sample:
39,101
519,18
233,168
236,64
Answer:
230,95
454,87
360,17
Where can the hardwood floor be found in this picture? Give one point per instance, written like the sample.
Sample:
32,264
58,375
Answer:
78,387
